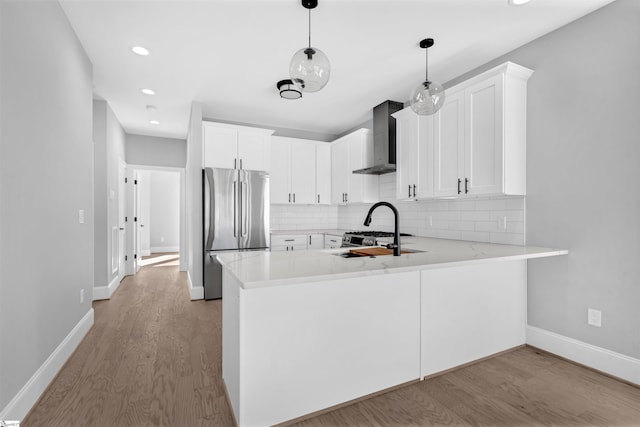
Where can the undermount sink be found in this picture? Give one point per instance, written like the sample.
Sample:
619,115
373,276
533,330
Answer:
360,255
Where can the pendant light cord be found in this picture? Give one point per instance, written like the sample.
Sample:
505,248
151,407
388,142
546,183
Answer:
426,67
309,28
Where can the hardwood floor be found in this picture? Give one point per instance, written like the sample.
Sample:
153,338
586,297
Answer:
153,358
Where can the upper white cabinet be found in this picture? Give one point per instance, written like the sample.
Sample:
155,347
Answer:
293,172
323,173
414,155
351,152
236,147
480,135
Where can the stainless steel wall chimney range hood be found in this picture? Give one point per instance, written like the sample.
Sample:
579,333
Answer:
384,139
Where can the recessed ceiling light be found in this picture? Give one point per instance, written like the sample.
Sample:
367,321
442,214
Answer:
148,92
154,122
518,2
139,50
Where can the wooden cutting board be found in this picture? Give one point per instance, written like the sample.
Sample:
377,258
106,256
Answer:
374,251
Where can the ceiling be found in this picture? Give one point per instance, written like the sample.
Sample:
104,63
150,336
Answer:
229,55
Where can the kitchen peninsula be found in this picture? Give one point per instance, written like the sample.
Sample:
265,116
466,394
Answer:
308,330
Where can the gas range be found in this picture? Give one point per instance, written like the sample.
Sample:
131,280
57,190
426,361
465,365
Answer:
365,238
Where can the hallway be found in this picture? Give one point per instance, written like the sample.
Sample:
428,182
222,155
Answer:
152,357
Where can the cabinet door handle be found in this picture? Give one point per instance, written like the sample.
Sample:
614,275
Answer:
459,182
346,197
309,239
289,240
318,198
289,197
466,185
294,197
235,163
240,163
409,189
414,190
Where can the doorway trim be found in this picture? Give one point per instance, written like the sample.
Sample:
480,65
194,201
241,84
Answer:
132,171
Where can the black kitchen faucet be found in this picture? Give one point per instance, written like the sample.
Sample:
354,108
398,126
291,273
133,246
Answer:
396,232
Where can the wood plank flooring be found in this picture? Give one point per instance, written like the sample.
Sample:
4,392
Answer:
153,358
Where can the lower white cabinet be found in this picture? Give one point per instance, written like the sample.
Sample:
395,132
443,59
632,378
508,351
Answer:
297,242
471,312
315,241
293,242
332,241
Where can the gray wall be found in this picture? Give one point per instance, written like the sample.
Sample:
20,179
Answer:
45,178
156,151
194,197
109,142
583,149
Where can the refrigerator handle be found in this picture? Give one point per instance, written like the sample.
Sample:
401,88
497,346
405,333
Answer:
245,209
235,210
209,217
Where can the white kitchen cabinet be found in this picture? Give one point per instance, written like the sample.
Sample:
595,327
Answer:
351,152
448,146
236,147
480,135
471,312
315,241
293,174
414,155
323,173
292,242
332,241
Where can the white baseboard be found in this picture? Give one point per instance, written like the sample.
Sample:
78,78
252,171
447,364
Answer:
196,292
607,361
21,404
160,249
105,292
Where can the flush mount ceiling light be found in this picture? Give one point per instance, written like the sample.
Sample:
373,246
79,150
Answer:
518,2
288,90
148,91
139,50
427,97
154,122
309,68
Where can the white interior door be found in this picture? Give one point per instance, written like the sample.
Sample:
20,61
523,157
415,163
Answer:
136,224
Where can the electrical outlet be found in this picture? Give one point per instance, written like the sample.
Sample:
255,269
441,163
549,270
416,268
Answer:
81,296
81,216
594,317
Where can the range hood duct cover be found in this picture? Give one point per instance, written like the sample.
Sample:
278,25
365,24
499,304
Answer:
384,139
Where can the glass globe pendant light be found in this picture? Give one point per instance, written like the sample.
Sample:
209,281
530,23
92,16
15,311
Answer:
427,97
310,68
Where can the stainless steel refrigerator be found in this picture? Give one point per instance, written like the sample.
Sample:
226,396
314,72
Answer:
235,216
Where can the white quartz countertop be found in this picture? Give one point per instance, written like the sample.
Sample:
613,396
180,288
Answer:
257,269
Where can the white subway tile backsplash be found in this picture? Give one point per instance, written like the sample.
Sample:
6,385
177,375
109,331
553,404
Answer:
478,219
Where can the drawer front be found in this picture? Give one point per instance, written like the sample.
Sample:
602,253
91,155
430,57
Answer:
289,240
331,242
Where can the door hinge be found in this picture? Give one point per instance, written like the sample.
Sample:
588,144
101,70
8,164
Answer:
135,256
125,257
125,219
125,180
135,219
135,182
